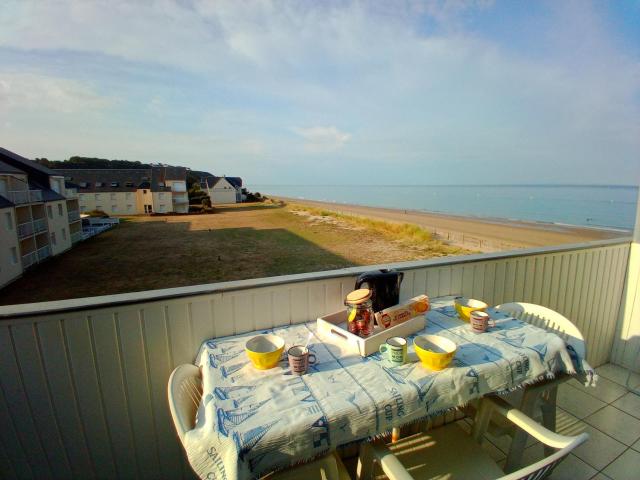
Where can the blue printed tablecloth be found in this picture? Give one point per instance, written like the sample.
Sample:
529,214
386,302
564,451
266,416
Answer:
251,422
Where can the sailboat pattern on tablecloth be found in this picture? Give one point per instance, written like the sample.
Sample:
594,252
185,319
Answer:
258,421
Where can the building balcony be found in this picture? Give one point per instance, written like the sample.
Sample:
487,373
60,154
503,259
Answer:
20,197
43,253
74,216
29,259
101,364
181,199
76,237
25,230
40,225
71,193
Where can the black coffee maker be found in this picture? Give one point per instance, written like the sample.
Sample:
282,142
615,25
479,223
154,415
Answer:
384,286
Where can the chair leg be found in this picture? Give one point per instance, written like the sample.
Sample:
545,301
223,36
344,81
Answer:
514,457
549,414
364,470
481,421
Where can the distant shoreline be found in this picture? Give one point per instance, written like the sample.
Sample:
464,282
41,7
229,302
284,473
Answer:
485,234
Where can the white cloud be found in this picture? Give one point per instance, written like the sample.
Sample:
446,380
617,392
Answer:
322,139
26,91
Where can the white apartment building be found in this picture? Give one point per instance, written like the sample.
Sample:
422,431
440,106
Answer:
157,189
39,216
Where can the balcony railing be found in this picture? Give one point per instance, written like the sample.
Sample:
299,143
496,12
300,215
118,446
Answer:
74,216
71,193
104,361
29,259
40,225
181,199
25,229
20,197
76,237
44,252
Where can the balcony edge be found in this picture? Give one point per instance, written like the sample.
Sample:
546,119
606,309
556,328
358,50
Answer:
84,303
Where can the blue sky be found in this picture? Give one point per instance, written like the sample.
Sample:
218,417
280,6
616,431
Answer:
433,92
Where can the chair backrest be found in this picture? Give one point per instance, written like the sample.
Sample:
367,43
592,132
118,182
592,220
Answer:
544,467
184,391
548,319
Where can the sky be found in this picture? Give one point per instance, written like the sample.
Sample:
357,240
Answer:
307,92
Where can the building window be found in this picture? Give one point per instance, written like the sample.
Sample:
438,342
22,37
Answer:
161,195
14,255
98,207
82,195
64,234
161,184
99,184
113,196
129,208
144,192
114,208
97,196
9,220
53,238
128,195
83,184
114,184
50,212
128,184
83,208
60,211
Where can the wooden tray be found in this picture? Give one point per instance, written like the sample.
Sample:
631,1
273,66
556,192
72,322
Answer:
333,328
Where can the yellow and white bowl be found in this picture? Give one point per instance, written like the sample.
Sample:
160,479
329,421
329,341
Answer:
464,307
265,351
435,352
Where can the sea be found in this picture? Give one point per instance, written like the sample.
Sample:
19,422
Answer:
597,206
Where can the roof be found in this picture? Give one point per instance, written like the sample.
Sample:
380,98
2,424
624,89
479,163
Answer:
6,168
137,177
211,181
23,163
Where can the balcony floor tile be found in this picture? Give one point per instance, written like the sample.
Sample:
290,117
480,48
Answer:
616,423
618,374
629,403
600,450
605,389
577,402
625,467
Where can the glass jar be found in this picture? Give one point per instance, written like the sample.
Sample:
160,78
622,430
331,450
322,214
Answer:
360,312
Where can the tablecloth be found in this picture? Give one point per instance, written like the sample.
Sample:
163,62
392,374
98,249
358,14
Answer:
251,422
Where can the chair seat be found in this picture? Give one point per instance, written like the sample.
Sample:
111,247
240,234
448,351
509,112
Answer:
445,453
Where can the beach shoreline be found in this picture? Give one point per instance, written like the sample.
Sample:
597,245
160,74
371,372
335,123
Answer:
483,234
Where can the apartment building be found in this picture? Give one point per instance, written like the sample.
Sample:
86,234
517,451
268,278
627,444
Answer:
158,189
39,216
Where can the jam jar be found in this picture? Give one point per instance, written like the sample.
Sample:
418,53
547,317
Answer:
360,312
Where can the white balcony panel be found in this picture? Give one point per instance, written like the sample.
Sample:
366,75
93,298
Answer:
40,225
98,368
43,253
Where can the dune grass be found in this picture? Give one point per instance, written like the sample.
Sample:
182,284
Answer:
406,233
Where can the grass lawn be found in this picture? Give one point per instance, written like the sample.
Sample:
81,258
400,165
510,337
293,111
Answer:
237,242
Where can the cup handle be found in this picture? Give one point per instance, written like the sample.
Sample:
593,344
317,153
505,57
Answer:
312,361
491,323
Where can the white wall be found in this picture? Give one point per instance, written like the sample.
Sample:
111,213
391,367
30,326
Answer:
84,381
8,240
626,351
59,223
222,192
112,203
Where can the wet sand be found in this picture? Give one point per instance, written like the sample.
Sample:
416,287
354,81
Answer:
480,234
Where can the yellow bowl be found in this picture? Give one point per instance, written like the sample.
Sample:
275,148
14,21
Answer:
435,352
265,351
464,307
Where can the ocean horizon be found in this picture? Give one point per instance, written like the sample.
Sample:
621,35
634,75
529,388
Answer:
598,206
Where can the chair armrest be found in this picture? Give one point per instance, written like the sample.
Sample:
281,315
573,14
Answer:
391,466
532,427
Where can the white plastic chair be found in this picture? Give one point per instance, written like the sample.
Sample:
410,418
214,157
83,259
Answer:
449,452
185,393
543,394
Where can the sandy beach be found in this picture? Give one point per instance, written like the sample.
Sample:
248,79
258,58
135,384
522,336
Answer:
485,235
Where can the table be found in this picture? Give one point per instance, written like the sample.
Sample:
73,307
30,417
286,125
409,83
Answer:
251,422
